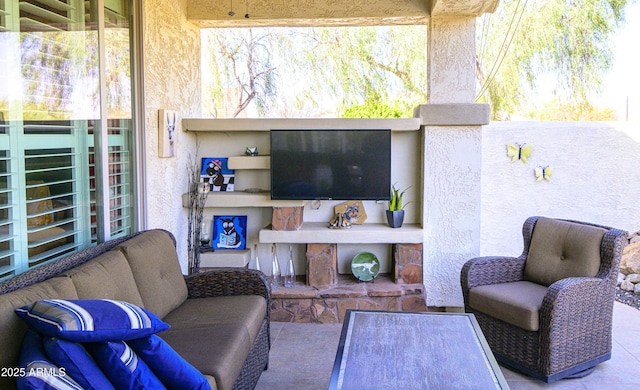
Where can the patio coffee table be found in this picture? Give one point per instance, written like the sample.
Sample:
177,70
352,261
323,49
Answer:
400,350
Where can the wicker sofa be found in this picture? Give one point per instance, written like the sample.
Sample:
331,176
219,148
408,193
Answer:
219,319
548,313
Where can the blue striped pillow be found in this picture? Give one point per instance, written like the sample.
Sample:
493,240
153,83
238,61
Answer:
39,371
91,320
123,367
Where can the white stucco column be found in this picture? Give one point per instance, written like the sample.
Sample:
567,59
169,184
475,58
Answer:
452,159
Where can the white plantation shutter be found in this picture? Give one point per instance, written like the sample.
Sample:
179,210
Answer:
49,176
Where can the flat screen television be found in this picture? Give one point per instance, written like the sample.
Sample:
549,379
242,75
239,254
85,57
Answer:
330,164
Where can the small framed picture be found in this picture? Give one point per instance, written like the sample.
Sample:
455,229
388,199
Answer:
166,133
214,170
353,211
229,232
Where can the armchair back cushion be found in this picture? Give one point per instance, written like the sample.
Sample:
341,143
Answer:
562,249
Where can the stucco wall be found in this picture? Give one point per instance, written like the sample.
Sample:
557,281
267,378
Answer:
172,82
451,209
596,178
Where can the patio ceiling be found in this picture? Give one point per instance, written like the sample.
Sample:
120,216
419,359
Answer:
208,13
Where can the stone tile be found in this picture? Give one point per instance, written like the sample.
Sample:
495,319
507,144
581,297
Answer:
412,288
411,274
351,291
413,303
384,288
300,291
322,265
287,218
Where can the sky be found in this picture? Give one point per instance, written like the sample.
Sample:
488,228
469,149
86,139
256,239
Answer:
623,80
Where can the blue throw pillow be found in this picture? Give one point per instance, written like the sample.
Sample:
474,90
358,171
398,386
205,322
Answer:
172,370
35,369
122,366
77,362
90,320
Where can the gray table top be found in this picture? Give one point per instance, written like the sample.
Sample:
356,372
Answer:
400,350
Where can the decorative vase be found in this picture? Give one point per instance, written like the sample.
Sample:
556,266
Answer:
275,269
255,250
290,275
395,218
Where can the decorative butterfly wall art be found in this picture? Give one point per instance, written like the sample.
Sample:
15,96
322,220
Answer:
543,173
519,152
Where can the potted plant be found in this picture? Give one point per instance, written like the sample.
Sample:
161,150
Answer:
395,213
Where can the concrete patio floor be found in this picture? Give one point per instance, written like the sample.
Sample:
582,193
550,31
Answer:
302,357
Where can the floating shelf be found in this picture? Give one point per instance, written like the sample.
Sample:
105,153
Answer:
266,124
249,162
368,233
242,199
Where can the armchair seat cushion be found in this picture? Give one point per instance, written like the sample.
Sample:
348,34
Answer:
516,303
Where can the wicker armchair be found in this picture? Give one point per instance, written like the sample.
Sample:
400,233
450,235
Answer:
548,313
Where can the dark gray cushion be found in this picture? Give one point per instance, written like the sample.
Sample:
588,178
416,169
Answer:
245,311
219,351
561,249
517,303
107,276
154,263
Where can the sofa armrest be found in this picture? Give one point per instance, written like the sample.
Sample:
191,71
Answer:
481,271
228,281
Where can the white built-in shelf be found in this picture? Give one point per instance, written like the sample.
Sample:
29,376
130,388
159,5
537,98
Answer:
266,124
368,233
249,162
243,199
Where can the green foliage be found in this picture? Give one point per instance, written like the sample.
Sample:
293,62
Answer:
525,41
373,108
240,69
555,110
396,202
306,72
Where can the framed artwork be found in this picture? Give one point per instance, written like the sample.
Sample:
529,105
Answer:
166,133
214,170
353,211
229,232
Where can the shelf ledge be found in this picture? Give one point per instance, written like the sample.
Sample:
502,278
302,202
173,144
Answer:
266,124
242,199
368,233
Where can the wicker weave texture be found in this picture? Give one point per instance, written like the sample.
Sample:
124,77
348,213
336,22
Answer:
576,313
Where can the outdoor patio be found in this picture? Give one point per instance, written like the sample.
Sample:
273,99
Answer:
302,357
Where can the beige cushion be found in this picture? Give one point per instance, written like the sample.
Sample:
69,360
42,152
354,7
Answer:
245,311
154,263
12,328
561,249
517,303
40,206
219,351
107,276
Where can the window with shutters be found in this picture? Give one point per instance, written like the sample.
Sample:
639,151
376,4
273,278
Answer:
66,128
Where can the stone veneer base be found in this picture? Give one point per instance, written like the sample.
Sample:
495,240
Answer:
306,304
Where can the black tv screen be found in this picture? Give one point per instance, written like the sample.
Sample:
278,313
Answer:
330,164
